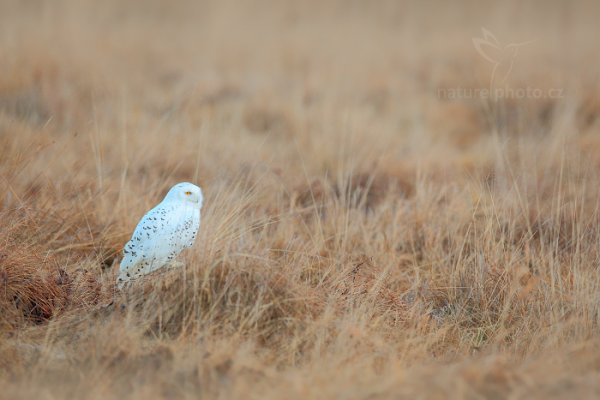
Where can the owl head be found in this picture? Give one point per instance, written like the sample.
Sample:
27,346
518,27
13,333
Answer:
187,193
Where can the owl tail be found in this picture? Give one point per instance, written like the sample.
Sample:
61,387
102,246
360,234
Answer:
122,281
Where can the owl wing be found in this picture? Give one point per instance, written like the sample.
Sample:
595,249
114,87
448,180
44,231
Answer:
153,242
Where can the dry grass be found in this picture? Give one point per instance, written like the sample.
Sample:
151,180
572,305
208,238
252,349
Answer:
361,237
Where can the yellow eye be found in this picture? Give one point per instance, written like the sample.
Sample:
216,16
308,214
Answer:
188,193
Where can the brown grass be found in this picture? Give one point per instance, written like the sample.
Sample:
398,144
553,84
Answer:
361,237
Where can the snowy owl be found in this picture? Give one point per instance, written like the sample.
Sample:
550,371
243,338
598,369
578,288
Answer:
163,233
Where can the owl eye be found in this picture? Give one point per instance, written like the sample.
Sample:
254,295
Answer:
188,193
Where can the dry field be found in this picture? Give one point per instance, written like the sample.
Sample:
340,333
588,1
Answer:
364,235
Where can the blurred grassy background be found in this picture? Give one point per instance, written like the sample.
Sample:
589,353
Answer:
362,236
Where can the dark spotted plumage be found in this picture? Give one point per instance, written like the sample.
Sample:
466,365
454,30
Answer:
169,228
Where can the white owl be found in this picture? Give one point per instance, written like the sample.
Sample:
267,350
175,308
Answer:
163,233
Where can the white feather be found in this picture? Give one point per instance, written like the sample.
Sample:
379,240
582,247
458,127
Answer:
163,233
